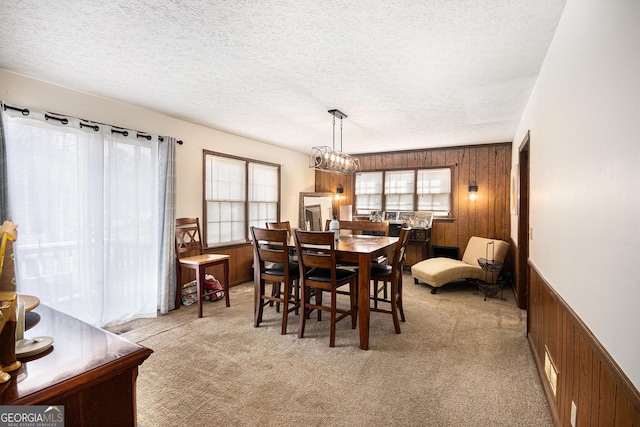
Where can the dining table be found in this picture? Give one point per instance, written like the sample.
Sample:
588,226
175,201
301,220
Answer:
361,250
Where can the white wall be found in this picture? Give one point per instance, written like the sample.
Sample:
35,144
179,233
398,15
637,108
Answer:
584,117
296,175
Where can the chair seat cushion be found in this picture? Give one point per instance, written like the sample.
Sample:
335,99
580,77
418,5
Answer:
277,269
324,274
380,271
440,271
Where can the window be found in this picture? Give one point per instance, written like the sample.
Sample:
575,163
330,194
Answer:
434,191
238,193
263,194
368,192
404,190
399,188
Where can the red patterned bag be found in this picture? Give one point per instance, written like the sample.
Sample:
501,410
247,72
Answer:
213,284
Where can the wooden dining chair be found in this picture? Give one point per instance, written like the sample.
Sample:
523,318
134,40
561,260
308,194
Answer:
190,254
365,227
284,225
391,275
271,260
319,273
279,225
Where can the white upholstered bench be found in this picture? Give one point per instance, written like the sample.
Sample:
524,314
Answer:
439,271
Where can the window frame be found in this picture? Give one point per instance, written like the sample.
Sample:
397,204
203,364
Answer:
415,171
247,162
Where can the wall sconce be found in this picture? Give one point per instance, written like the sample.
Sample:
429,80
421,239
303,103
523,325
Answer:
473,192
339,191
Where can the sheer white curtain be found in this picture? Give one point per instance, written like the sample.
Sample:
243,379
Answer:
86,204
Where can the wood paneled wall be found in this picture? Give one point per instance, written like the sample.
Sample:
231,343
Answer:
587,375
487,166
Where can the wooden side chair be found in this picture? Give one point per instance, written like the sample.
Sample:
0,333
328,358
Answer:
317,261
271,264
391,275
284,225
190,254
280,225
365,227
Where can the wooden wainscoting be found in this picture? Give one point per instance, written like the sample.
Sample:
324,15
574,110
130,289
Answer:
587,375
240,261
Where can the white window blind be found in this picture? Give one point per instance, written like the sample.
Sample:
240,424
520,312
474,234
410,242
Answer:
434,191
225,198
368,192
399,188
263,194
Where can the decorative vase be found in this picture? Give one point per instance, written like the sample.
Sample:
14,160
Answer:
8,301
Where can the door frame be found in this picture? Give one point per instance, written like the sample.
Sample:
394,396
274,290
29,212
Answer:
522,279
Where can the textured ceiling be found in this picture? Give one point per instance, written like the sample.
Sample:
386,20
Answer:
408,74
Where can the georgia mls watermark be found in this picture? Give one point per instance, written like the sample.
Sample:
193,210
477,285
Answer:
32,416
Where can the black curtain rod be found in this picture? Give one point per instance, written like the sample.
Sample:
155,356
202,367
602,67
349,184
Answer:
24,111
62,120
86,125
92,125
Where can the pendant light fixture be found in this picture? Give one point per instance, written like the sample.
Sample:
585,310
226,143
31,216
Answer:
329,159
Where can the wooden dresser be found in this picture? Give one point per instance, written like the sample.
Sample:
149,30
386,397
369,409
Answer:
91,372
419,246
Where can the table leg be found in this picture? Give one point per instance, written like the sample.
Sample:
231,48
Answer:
364,275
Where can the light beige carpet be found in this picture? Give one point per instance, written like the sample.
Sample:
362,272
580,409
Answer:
460,361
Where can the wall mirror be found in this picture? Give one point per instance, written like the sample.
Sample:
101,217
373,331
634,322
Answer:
315,210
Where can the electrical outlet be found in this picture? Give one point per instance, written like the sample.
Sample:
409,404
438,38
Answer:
574,413
551,372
